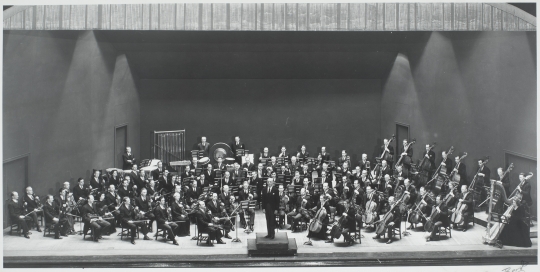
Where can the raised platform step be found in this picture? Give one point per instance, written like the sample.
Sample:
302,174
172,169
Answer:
281,245
480,218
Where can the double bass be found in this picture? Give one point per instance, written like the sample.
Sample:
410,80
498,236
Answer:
384,156
454,175
440,179
424,168
477,184
407,159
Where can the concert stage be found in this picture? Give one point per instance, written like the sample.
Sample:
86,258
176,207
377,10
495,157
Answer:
464,248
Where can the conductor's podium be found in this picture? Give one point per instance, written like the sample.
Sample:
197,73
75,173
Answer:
281,245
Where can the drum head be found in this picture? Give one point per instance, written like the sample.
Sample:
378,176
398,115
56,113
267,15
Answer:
204,160
220,150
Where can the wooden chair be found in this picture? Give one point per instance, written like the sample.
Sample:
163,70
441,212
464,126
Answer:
397,231
127,232
88,227
46,228
201,235
444,231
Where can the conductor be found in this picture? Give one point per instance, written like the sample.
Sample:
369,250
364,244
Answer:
270,200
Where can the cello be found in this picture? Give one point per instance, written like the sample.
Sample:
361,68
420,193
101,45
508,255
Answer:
430,221
389,217
417,214
424,167
371,208
440,180
407,159
316,224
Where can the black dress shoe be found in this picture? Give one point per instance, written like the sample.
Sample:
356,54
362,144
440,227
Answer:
329,241
38,230
100,237
97,240
57,237
267,236
175,243
464,230
227,236
389,241
133,241
220,242
26,236
146,238
272,237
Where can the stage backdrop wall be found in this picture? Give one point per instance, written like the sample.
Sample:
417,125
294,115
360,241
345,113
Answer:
63,94
475,91
340,114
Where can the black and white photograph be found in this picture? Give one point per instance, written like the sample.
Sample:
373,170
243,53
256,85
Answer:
242,135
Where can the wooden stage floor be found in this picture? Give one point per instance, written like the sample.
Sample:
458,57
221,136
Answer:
464,248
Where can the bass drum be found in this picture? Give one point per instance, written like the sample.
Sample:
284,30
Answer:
220,150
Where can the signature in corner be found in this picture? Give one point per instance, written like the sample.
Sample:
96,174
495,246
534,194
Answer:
519,269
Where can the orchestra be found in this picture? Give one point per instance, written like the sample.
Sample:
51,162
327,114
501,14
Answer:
297,192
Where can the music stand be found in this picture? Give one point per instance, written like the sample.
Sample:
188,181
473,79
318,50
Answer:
245,206
237,223
282,160
280,178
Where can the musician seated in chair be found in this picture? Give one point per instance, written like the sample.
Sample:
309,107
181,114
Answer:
104,211
204,224
392,224
16,214
283,206
32,203
65,201
59,223
92,217
144,207
244,195
442,221
424,202
465,197
162,218
301,210
179,213
348,224
324,203
218,211
127,217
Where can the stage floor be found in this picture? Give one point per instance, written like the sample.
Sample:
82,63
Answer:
111,249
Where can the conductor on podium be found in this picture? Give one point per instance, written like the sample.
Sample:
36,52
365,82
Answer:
270,200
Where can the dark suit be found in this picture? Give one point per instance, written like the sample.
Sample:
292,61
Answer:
137,180
158,172
78,192
467,199
205,148
219,167
282,155
193,194
303,155
203,219
363,165
32,204
237,176
462,171
15,210
210,178
127,214
234,148
391,152
250,167
128,165
161,218
89,212
270,200
325,157
51,211
449,164
96,184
